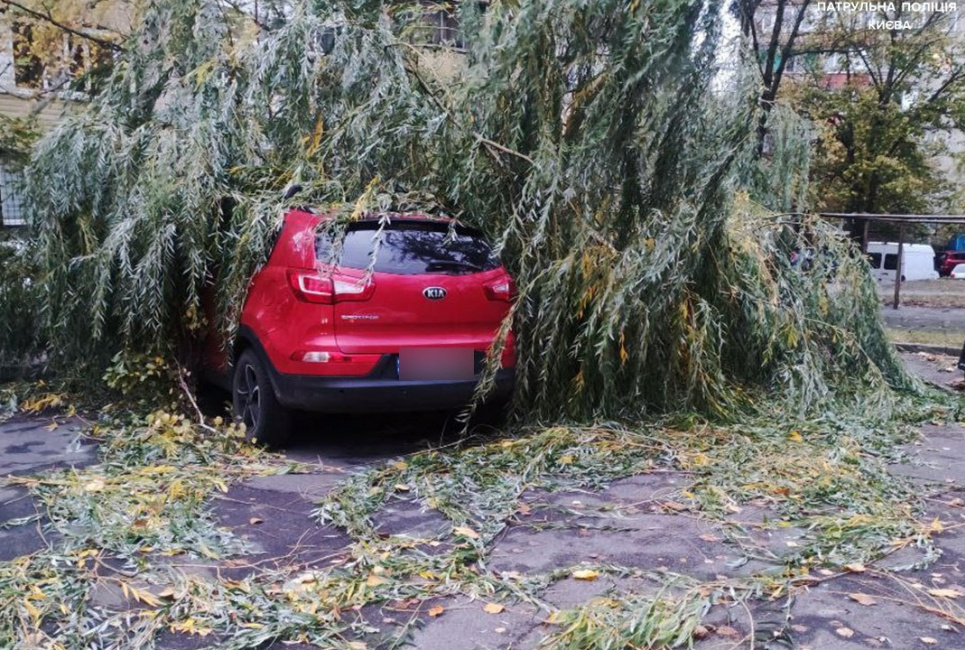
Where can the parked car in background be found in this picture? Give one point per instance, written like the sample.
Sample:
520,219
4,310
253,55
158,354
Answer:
958,272
917,261
949,260
951,255
395,316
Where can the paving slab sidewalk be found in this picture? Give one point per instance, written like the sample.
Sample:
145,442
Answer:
30,445
634,523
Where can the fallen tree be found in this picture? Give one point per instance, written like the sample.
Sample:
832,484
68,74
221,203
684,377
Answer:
588,139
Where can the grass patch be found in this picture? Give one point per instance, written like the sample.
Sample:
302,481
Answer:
947,338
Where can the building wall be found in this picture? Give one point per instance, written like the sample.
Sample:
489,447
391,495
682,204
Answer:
22,103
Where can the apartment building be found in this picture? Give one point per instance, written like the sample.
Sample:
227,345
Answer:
817,54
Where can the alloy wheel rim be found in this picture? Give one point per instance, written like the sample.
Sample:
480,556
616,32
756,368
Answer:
250,394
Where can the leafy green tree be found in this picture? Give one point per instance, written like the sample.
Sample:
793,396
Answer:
898,96
585,138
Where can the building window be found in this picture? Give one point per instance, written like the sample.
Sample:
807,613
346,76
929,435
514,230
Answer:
73,60
442,26
11,199
28,70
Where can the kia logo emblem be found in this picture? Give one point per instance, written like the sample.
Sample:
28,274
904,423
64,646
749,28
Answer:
434,293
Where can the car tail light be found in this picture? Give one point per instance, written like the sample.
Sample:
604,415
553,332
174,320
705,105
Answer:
309,286
327,289
501,289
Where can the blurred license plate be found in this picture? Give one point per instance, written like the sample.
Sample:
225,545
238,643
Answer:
435,363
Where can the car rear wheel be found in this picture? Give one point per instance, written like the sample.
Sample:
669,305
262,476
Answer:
266,421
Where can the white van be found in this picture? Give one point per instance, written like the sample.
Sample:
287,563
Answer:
917,261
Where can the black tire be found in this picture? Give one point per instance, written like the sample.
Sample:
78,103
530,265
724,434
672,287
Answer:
267,422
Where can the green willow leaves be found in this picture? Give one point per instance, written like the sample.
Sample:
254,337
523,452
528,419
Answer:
587,138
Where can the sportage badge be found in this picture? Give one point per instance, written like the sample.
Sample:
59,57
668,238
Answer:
434,293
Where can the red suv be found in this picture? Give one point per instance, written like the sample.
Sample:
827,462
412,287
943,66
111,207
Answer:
398,315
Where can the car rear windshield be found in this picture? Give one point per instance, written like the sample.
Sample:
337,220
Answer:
409,248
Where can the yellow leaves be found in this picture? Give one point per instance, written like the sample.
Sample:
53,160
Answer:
95,485
863,599
366,199
202,72
42,403
313,144
587,262
795,436
84,554
140,595
945,593
465,531
436,611
190,626
579,381
698,459
493,608
585,300
374,580
624,356
726,631
935,526
32,610
176,490
565,460
206,552
157,470
585,574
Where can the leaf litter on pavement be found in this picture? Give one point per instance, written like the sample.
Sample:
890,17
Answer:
111,525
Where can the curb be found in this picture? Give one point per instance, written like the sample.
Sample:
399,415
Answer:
928,348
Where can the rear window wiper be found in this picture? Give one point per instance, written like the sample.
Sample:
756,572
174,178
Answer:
440,265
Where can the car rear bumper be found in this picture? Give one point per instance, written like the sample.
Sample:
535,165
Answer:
379,394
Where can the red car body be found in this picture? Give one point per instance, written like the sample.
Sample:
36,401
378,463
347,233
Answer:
399,314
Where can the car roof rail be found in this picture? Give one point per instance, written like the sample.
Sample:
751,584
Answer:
292,191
